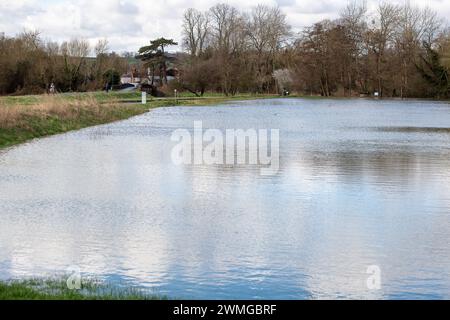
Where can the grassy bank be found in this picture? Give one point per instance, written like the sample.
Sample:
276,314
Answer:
23,118
58,290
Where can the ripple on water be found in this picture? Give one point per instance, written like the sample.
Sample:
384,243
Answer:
360,183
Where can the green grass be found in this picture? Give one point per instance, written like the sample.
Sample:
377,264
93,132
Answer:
57,289
207,100
101,96
30,125
36,126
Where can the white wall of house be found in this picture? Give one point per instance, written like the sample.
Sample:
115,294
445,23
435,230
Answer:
128,79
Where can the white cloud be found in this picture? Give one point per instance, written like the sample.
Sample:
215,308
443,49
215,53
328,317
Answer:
129,24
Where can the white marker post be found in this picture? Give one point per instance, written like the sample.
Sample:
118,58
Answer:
144,97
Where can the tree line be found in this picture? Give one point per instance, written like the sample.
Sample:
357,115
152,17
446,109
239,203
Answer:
28,65
397,51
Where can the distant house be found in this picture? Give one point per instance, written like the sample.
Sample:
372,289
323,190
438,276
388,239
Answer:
135,77
129,78
132,77
155,77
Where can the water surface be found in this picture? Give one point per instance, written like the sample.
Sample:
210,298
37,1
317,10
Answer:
361,183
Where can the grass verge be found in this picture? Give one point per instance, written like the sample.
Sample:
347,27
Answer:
57,289
23,118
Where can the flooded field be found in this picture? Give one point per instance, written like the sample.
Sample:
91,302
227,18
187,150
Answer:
361,183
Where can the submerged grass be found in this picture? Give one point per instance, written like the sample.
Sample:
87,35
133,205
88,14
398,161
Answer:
57,289
23,118
207,100
415,129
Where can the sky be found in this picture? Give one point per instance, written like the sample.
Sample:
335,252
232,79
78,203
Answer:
130,24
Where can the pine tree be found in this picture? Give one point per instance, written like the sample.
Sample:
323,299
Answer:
155,55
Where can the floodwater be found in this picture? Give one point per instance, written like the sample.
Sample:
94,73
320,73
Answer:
363,186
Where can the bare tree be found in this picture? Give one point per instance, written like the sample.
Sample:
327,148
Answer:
355,26
195,31
74,54
416,25
431,25
267,30
225,21
444,44
381,37
227,41
395,50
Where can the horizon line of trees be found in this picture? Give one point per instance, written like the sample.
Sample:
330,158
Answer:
30,65
397,51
